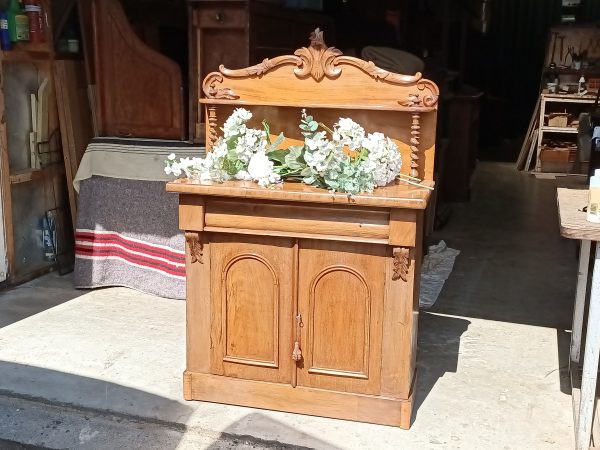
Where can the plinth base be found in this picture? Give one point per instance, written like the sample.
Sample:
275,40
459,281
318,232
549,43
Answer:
302,400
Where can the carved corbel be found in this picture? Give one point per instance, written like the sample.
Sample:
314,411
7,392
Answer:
196,246
401,263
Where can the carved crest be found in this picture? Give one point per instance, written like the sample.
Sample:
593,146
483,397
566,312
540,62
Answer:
319,61
196,246
401,263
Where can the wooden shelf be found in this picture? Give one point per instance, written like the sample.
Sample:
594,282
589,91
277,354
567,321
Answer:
559,129
27,51
27,175
570,71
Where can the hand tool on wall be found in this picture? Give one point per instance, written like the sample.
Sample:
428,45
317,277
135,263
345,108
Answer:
555,34
562,42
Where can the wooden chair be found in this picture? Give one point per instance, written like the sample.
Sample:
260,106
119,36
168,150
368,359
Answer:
138,91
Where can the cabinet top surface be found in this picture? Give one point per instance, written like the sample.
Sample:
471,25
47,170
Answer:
399,195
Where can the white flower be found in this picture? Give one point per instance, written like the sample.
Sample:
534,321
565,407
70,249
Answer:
243,175
259,166
260,169
235,125
349,133
172,157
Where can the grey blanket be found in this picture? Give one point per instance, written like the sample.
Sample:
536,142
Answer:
127,235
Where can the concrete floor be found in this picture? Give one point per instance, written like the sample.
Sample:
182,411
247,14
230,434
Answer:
103,370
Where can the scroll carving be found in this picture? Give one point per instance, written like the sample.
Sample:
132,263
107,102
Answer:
319,61
196,246
415,140
261,68
212,134
378,73
210,89
427,96
401,263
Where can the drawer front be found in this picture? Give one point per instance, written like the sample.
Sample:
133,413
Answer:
298,220
225,16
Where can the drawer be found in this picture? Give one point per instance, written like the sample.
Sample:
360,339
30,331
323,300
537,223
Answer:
356,224
225,16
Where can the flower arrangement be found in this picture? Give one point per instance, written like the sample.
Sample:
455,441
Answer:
343,159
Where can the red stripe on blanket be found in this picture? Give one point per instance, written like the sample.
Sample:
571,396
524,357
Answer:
116,238
103,253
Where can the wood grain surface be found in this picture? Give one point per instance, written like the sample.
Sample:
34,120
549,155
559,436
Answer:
572,218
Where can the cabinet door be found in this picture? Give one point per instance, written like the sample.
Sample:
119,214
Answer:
341,292
252,316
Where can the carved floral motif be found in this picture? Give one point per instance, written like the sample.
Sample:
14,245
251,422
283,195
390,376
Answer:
401,263
196,246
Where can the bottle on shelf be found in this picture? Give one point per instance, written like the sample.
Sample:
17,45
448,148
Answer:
5,43
18,23
33,10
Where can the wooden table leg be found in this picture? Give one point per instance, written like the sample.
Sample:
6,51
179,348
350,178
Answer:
590,364
582,279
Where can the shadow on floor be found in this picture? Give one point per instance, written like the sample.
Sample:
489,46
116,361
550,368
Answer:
31,298
439,346
260,421
99,400
514,266
563,347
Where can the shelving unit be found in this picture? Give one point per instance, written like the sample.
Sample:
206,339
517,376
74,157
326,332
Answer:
29,189
547,99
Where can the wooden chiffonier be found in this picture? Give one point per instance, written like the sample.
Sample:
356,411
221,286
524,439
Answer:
299,299
238,33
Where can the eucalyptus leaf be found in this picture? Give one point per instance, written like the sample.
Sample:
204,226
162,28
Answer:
277,156
267,129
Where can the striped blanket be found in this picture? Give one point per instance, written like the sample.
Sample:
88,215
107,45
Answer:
127,232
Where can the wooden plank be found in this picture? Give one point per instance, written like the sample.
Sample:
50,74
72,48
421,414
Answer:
7,213
42,121
26,175
590,363
75,120
303,400
395,196
33,148
532,148
528,138
578,310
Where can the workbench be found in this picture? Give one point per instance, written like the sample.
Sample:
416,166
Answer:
573,225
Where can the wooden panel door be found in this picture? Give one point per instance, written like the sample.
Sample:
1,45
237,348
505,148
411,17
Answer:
341,293
252,315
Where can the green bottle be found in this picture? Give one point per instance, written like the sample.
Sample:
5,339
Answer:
18,23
